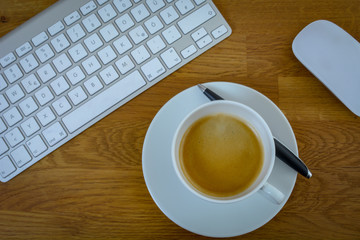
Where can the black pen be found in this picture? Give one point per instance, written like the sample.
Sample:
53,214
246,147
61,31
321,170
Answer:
282,152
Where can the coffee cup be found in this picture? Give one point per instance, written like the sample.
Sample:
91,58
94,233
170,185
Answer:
223,152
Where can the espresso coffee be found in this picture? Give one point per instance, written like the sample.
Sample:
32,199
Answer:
221,155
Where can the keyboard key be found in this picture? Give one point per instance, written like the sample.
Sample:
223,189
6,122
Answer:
36,146
6,167
3,146
13,73
28,106
44,96
140,12
39,39
30,83
187,52
91,65
196,18
107,54
122,5
204,41
124,64
23,49
75,75
170,57
21,156
107,13
184,6
197,35
77,95
3,103
54,134
60,43
138,34
171,34
218,32
93,42
88,7
109,75
169,15
44,53
101,2
103,101
156,44
46,73
7,59
124,22
59,85
29,63
71,18
155,5
30,126
122,44
45,116
62,63
61,106
93,85
153,69
109,32
12,116
14,137
77,52
76,33
15,93
140,54
153,25
91,23
56,28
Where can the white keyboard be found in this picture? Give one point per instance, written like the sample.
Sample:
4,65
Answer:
78,61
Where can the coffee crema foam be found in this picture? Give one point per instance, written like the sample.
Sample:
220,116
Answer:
221,155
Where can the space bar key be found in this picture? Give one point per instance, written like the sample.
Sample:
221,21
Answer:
102,102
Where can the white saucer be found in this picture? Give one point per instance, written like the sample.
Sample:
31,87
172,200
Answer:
182,206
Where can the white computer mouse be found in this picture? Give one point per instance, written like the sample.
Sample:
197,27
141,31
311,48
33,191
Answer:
333,56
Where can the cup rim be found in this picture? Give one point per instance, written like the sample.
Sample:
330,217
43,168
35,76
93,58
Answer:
197,192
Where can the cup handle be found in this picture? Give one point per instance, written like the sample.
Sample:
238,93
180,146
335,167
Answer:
272,193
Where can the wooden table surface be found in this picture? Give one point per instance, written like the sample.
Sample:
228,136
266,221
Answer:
93,186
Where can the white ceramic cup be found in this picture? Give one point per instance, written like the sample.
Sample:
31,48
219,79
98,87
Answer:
248,115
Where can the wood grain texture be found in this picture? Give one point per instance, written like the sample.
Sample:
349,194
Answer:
93,186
